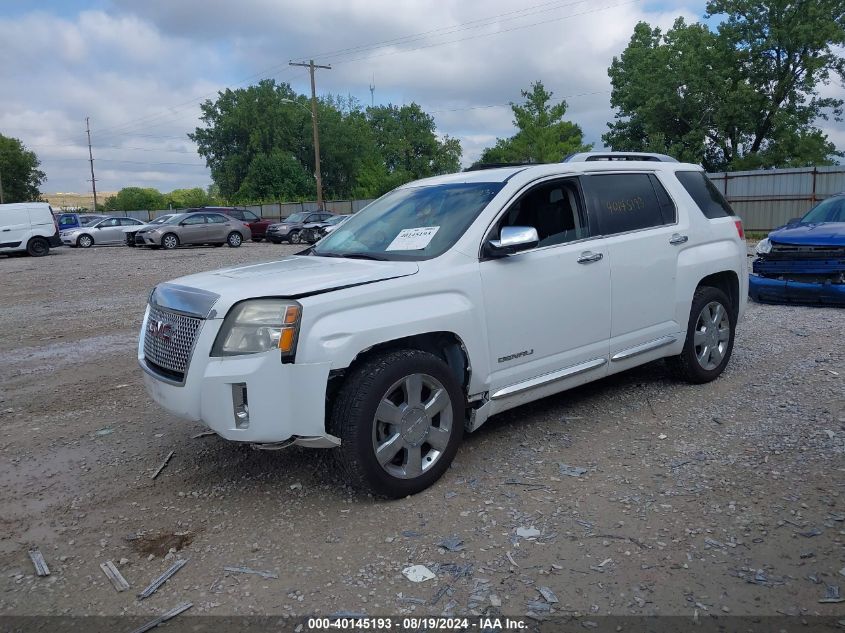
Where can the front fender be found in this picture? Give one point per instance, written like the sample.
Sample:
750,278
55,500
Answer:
338,326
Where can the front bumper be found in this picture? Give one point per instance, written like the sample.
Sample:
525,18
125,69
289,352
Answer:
285,401
768,290
277,234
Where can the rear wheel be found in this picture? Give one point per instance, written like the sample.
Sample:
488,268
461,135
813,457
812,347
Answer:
400,418
234,239
85,241
169,241
38,247
257,239
710,337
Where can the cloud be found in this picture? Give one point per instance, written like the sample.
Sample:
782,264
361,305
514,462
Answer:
140,69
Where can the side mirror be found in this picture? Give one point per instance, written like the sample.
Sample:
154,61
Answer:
513,239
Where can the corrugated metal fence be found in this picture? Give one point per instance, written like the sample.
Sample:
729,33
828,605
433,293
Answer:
765,199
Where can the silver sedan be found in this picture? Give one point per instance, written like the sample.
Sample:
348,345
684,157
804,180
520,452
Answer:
106,231
195,228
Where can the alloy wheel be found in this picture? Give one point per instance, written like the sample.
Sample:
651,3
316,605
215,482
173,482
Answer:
412,426
712,334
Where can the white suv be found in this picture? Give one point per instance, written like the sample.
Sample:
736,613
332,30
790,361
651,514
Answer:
449,300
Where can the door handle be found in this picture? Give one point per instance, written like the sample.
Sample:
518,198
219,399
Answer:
677,238
588,257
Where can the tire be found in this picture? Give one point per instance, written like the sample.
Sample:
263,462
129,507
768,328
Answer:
708,345
295,237
84,241
378,390
257,239
218,245
234,239
170,241
38,247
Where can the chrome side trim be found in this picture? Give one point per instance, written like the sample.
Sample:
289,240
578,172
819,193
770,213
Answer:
544,379
642,349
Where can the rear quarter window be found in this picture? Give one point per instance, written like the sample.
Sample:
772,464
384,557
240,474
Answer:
704,193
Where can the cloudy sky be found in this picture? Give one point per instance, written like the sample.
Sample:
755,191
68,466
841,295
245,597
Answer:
140,69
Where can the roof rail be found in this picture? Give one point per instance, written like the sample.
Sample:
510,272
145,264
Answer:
639,156
480,166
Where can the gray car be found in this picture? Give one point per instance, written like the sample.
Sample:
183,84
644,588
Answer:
290,230
194,228
106,231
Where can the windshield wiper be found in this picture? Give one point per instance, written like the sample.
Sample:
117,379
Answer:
377,258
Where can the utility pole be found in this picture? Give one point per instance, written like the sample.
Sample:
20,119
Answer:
91,161
373,92
1,187
311,66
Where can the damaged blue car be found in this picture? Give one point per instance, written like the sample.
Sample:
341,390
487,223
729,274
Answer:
804,261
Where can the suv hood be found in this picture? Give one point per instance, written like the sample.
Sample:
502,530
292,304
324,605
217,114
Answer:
821,234
292,277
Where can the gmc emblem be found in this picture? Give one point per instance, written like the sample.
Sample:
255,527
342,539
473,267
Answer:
160,330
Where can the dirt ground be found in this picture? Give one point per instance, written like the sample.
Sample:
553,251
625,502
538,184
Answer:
714,499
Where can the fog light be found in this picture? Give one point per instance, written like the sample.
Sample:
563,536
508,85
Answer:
240,405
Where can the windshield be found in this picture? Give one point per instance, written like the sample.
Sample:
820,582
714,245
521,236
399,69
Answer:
88,221
337,219
297,217
411,223
175,219
161,219
830,210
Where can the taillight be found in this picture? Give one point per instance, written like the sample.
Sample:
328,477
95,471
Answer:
739,230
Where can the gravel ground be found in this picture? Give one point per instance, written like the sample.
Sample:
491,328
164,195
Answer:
715,499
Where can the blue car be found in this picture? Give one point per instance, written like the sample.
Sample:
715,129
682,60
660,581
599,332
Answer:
804,261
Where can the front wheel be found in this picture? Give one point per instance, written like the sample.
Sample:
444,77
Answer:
295,237
710,337
400,417
234,239
38,247
85,241
170,241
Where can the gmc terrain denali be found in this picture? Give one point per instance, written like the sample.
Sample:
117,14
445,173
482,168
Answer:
449,300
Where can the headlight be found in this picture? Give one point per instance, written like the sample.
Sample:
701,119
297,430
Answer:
259,325
764,246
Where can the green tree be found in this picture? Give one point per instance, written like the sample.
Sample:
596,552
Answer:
258,143
407,142
188,198
542,135
136,199
19,171
744,96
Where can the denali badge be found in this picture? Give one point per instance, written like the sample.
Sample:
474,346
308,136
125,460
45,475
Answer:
160,330
526,352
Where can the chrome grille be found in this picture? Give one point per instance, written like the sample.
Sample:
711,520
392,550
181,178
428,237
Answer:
169,339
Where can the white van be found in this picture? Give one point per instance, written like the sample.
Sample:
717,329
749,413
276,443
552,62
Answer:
29,227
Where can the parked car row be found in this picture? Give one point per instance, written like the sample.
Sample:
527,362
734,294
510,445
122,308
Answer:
207,225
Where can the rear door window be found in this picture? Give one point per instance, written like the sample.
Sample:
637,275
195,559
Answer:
705,194
627,202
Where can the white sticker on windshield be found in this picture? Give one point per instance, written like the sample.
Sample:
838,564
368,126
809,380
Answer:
413,239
